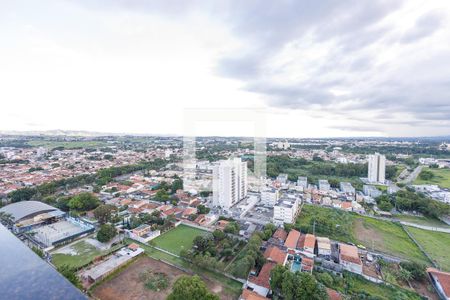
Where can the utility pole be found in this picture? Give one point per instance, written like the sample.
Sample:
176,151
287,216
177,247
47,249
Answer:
314,227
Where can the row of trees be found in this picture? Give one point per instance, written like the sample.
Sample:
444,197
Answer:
409,200
317,167
249,257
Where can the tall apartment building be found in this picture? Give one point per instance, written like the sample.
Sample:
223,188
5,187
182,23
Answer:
229,182
377,168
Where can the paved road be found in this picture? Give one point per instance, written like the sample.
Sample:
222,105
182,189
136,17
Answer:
412,176
431,228
420,226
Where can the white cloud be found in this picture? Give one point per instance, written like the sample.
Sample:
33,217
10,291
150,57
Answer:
135,68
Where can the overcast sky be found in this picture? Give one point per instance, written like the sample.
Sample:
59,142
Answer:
314,68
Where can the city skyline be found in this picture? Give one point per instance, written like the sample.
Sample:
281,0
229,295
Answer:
318,70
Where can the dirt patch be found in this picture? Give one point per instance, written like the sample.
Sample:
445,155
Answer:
127,284
425,288
367,235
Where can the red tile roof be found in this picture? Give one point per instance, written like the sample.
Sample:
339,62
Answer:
301,242
280,234
346,205
349,253
292,238
275,254
263,278
310,241
443,277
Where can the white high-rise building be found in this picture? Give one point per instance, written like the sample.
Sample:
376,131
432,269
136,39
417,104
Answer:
377,168
229,182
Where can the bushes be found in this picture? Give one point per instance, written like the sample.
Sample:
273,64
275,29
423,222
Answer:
106,233
154,281
416,270
426,175
70,274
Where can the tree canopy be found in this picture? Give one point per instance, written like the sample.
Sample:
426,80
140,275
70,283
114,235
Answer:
83,202
296,286
192,288
106,233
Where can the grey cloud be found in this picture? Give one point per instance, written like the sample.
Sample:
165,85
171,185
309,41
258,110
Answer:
424,26
353,26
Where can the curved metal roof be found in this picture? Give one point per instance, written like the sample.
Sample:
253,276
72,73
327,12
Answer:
24,209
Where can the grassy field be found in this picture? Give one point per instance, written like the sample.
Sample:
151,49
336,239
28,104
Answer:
333,223
436,244
86,253
422,221
441,177
384,236
387,237
178,238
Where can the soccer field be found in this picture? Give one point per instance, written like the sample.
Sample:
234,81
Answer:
178,238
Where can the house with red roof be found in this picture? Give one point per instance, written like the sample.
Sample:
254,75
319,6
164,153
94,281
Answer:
349,258
310,243
261,283
440,281
276,255
292,239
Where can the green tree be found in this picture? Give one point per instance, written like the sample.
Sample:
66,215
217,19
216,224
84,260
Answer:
232,227
426,175
276,278
177,184
298,285
162,195
219,235
103,213
417,270
84,202
70,274
201,209
192,288
106,233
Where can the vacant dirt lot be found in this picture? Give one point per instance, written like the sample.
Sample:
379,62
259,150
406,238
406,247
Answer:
367,235
127,285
